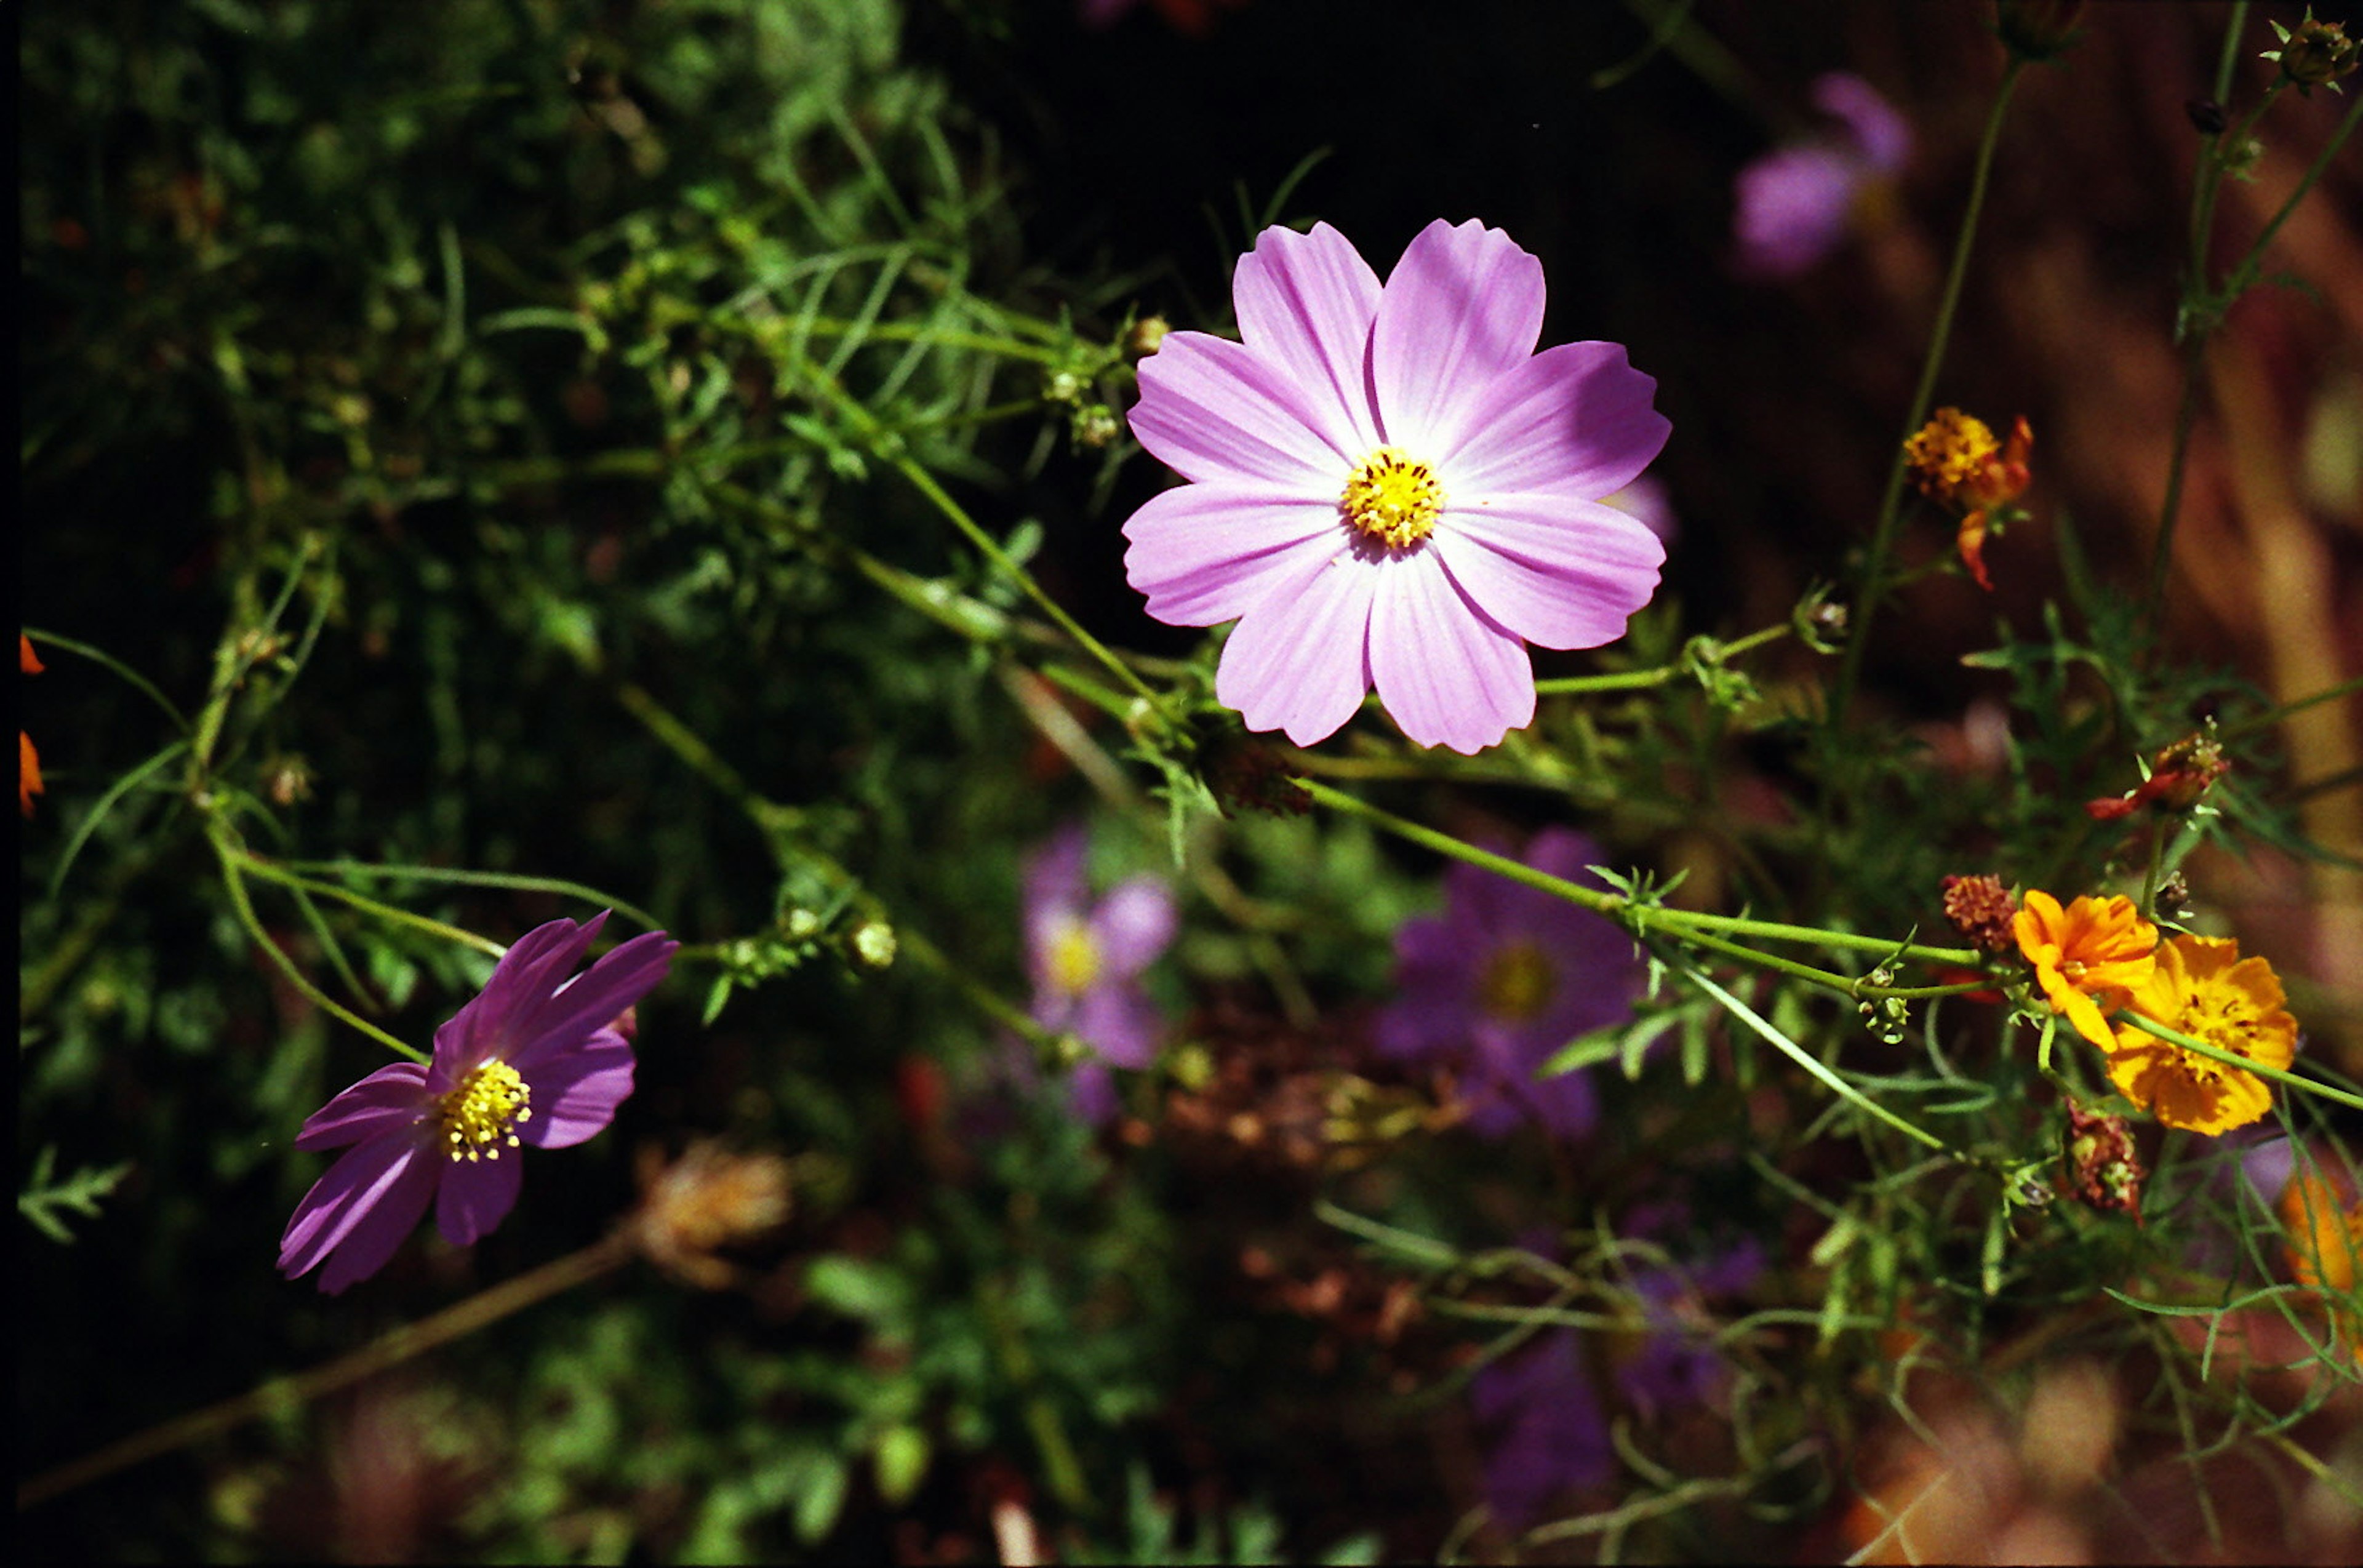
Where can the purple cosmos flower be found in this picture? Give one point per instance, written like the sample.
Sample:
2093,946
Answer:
1086,958
1503,979
535,1058
1550,1433
1677,1366
1797,203
1388,487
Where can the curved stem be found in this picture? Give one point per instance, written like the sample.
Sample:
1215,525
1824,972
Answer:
1882,538
270,870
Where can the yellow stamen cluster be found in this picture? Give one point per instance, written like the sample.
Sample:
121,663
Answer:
1392,499
1517,984
481,1115
1951,452
1074,960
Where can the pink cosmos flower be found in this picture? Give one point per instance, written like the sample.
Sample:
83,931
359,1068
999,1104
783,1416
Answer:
1503,979
1388,487
1086,958
535,1058
1797,204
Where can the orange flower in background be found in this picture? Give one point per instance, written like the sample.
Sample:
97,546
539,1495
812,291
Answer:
29,762
2202,988
2095,948
1956,461
2325,1244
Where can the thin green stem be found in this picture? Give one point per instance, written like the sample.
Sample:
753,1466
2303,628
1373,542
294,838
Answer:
2234,1059
271,871
508,880
402,1344
1663,674
1882,538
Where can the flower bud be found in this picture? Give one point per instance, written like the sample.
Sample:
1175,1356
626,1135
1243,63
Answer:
2206,116
2103,1165
1981,908
2315,54
1146,335
2038,30
873,943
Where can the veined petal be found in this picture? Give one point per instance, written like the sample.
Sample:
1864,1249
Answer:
1305,301
1573,421
1559,572
593,999
476,1196
358,1212
378,1105
1298,658
521,982
1211,408
575,1095
1449,674
1462,307
1206,553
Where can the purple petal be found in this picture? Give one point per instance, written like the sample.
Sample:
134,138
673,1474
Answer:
1090,1094
1053,887
359,1211
1793,207
575,1095
1882,135
1299,660
520,982
1305,303
1211,408
1134,924
476,1196
2268,1166
1648,501
593,999
1573,421
380,1105
1554,1434
1430,1014
1118,1022
1461,308
1559,572
1447,674
1206,553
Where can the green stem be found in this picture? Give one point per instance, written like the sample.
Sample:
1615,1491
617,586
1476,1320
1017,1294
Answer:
281,1394
271,871
2234,1059
509,880
1882,538
1663,674
1681,924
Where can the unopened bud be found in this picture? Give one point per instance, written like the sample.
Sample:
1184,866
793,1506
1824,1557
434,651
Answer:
873,943
2313,54
2038,30
1146,335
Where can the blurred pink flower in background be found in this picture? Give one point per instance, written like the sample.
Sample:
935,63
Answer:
1797,204
1085,957
1390,488
1502,979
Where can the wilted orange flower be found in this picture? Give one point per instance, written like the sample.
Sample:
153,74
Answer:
1955,461
29,762
2180,776
2202,988
2094,948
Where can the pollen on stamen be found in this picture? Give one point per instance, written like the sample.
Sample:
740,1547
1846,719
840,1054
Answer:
1392,499
481,1115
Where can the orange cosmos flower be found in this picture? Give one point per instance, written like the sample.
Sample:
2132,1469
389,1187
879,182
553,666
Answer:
2094,948
2202,988
29,762
1956,461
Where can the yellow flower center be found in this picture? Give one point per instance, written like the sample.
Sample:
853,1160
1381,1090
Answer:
1517,984
1950,450
1074,960
1392,499
479,1116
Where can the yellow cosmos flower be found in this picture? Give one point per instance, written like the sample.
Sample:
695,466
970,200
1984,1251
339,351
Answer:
2093,947
2202,988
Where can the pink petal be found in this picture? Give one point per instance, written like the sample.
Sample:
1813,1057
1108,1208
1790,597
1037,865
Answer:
1559,572
1575,420
379,1105
1134,924
1462,307
1793,207
521,982
1447,675
575,1095
1205,554
593,999
477,1195
359,1212
1882,135
1305,302
1210,409
1297,660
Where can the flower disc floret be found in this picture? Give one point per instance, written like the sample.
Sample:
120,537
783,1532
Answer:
1389,488
2202,988
479,1116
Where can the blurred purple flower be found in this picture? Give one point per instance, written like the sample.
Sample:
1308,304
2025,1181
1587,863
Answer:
1505,976
1647,499
1390,488
1677,1366
535,1058
1550,1432
1796,203
1085,959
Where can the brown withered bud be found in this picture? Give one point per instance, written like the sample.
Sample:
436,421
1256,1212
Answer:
1981,908
2102,1167
1247,774
707,1200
